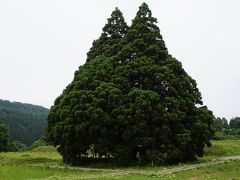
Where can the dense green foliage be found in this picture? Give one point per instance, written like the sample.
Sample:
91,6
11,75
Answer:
113,31
131,101
16,146
4,138
6,144
26,122
220,124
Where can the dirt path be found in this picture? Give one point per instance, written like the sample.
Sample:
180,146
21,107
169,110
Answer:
229,158
161,172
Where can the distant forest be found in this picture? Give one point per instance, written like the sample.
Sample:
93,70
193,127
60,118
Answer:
26,122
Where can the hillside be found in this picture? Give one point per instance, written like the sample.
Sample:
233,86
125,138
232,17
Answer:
26,122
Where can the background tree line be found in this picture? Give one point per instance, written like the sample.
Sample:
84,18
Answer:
225,129
22,123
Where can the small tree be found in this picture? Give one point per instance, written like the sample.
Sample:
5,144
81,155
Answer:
4,138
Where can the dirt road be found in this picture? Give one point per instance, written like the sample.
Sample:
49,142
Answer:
161,172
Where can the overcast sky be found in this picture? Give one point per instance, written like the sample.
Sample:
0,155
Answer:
43,42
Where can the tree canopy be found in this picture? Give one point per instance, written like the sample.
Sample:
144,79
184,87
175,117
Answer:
220,124
113,31
235,123
131,100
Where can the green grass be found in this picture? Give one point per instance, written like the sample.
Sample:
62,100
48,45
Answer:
42,155
221,148
225,171
20,166
224,148
24,172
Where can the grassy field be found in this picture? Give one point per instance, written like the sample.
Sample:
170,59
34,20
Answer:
225,171
23,165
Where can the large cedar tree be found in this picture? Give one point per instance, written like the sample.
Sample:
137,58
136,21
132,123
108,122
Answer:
131,100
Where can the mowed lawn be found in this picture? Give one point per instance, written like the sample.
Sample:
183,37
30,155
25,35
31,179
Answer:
22,165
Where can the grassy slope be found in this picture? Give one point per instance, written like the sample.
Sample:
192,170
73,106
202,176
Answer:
18,166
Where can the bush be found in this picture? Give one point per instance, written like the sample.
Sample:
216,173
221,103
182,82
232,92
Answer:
17,146
39,142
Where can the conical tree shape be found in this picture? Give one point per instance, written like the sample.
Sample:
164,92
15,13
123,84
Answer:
113,31
106,45
131,103
144,38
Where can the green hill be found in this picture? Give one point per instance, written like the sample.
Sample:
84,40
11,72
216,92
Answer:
26,122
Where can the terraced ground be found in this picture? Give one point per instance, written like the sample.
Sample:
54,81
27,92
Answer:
221,162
